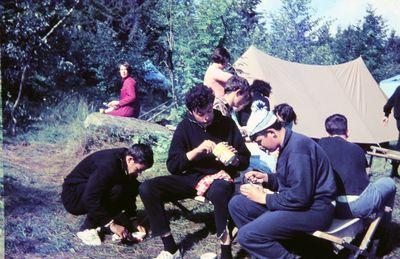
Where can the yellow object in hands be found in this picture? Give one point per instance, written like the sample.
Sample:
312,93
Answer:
222,152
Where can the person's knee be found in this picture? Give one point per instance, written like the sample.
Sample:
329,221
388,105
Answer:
392,185
146,189
242,237
220,190
388,185
235,204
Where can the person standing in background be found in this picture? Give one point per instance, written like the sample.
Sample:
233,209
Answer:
393,103
128,104
215,76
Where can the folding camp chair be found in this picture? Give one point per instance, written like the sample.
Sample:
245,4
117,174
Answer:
343,231
384,153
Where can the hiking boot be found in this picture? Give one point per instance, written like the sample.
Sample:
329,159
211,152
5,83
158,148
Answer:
90,237
168,255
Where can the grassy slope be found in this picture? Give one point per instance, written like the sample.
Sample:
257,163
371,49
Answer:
38,226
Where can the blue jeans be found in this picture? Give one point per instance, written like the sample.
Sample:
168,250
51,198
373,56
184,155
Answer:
261,230
373,199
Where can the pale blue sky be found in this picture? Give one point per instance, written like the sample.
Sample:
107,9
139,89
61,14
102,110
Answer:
347,12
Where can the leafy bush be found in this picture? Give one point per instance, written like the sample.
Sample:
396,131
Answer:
159,143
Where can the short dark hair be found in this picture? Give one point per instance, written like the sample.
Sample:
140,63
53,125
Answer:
277,125
286,112
221,56
142,154
237,83
199,97
261,87
336,124
127,65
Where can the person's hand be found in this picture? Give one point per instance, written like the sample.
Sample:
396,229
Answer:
232,149
109,109
385,121
113,104
206,147
256,177
243,131
121,231
254,192
139,227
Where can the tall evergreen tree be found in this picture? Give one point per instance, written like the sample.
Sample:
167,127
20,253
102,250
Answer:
368,39
391,65
296,36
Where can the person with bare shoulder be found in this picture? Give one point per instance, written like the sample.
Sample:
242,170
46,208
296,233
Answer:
215,76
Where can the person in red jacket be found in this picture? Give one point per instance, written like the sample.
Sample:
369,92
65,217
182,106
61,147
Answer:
128,104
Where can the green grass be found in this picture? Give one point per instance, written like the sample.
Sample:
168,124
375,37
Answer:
38,226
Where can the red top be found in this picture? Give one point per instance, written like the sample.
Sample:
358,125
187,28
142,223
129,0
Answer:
128,103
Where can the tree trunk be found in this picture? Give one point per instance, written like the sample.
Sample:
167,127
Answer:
14,118
170,64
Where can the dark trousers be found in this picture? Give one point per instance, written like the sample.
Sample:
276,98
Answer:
71,197
395,164
261,230
157,191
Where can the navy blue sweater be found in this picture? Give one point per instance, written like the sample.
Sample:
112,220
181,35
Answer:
303,178
189,135
348,162
101,171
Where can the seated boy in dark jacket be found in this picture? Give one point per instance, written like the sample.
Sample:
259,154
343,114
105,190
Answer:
195,169
300,195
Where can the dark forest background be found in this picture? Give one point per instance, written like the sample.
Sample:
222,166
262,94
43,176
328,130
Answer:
57,52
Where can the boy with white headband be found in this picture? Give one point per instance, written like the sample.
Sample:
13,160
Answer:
299,197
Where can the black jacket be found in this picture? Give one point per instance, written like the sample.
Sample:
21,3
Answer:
101,171
393,102
189,135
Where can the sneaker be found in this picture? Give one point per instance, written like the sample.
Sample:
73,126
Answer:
209,256
168,255
90,237
116,238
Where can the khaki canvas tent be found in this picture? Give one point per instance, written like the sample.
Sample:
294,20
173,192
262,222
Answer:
316,92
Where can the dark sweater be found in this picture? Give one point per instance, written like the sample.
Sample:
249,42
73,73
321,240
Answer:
393,102
303,176
348,162
189,135
101,171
